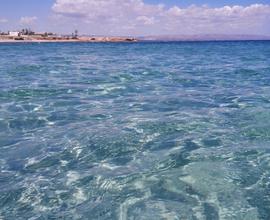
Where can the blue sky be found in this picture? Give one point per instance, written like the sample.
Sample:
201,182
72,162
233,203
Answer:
57,15
213,3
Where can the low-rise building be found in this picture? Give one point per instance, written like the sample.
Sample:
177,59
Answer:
14,33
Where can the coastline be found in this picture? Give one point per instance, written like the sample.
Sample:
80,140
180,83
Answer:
68,40
118,40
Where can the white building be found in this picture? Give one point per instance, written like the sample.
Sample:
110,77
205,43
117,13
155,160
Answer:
14,33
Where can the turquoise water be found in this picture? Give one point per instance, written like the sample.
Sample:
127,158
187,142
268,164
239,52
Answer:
135,131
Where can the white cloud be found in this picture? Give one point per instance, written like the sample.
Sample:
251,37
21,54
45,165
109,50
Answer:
123,16
28,20
3,20
146,20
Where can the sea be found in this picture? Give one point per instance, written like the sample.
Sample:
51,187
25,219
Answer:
135,131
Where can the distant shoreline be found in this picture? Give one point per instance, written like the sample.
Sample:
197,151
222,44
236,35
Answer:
122,41
60,41
50,38
66,40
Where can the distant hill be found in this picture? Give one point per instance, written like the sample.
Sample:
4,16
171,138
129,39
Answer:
209,37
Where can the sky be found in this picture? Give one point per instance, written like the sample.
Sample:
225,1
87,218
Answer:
138,17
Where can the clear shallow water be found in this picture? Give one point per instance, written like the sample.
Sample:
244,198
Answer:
135,131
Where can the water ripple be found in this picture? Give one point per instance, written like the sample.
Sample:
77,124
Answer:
137,131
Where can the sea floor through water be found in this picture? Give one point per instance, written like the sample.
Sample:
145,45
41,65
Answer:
139,131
